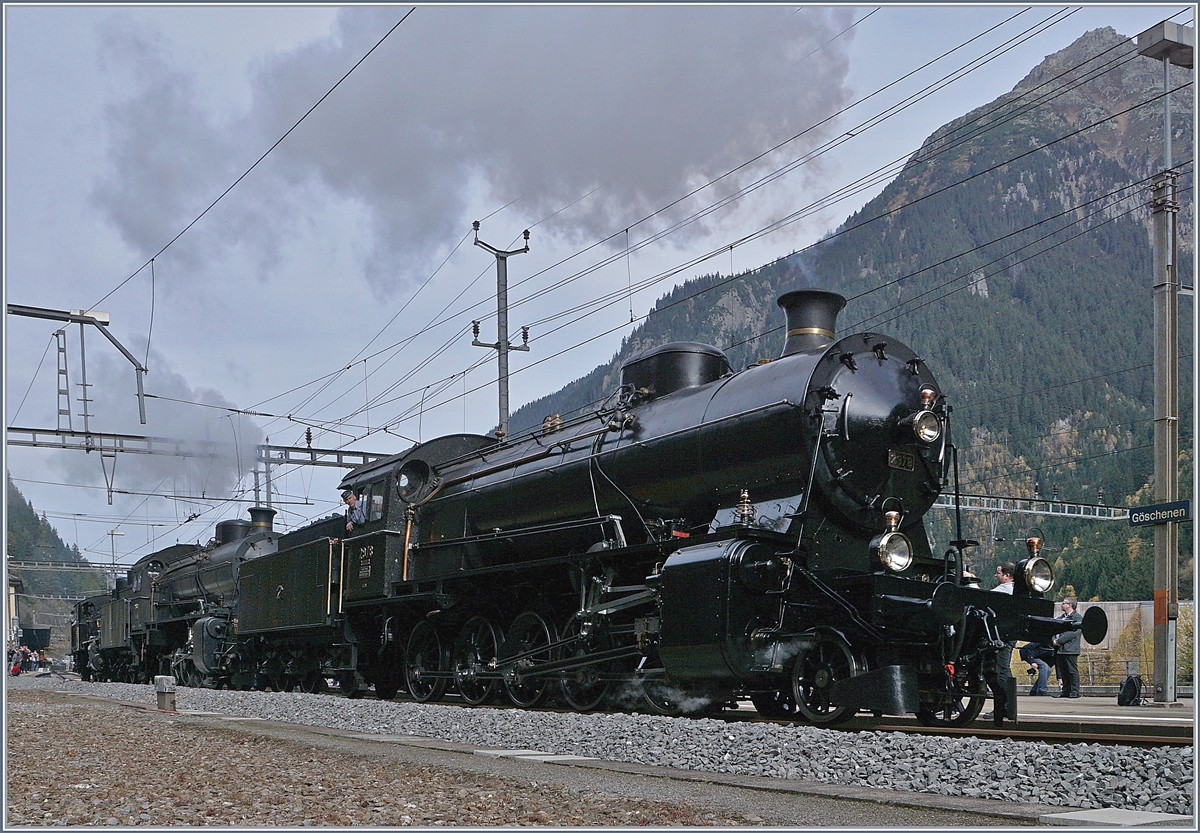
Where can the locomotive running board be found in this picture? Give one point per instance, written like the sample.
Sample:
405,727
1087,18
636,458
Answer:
520,532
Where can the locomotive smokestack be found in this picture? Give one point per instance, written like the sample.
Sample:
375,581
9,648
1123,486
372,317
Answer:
260,518
811,319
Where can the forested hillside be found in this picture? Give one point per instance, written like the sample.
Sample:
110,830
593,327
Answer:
1013,253
32,538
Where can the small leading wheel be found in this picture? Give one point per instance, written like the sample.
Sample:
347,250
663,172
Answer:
658,695
187,675
827,660
662,698
528,637
585,688
958,712
474,650
774,704
424,664
957,709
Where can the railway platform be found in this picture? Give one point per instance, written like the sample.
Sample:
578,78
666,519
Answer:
1097,714
1091,719
1105,708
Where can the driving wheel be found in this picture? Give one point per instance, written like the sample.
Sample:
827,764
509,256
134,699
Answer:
585,688
528,637
958,708
425,664
474,650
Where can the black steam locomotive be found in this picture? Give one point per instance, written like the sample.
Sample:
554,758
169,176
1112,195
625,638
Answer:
704,535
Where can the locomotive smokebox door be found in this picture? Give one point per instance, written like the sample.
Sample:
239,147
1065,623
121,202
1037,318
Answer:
714,596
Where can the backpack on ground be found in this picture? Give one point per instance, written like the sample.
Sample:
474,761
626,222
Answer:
1130,693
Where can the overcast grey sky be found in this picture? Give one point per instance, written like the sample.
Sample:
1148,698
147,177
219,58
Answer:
307,292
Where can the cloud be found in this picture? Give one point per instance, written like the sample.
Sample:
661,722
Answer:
461,107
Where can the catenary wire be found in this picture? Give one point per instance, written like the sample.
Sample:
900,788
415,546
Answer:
723,247
260,159
754,159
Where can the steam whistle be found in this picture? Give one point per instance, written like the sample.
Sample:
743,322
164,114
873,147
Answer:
747,514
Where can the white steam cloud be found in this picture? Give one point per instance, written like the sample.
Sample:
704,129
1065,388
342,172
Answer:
221,443
462,104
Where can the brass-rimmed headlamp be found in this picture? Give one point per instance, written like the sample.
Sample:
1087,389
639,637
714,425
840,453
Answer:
1035,570
892,548
926,426
925,423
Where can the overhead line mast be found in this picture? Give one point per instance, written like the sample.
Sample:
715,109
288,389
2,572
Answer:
100,320
502,347
1172,44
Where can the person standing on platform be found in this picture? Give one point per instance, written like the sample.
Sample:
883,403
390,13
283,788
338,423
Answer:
1000,680
1067,647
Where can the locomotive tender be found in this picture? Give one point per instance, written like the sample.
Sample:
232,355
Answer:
705,534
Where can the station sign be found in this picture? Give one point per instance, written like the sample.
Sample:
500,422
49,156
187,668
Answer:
1161,513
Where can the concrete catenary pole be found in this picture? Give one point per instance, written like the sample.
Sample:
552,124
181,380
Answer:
1172,44
502,347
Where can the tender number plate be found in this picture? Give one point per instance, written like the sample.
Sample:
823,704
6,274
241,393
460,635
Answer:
364,560
901,460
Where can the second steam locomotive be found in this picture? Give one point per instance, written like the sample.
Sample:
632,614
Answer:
704,535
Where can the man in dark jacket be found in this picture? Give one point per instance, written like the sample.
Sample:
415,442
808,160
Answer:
1067,646
355,515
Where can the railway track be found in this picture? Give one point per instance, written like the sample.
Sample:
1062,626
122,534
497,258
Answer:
1067,730
1061,731
1053,732
1082,729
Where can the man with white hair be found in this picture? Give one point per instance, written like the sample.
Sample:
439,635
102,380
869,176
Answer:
999,678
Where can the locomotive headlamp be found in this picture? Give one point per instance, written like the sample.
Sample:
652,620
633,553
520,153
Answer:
1035,570
1038,575
927,397
892,548
927,426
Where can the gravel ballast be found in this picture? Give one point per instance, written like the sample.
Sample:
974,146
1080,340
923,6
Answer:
119,767
1085,776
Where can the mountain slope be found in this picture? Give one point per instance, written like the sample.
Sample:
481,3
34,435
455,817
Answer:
1013,252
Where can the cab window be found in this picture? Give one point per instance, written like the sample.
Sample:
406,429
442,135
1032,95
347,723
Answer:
373,498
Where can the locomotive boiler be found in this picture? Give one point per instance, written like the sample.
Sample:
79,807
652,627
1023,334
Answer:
703,535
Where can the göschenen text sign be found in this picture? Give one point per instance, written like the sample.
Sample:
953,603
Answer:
1180,510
